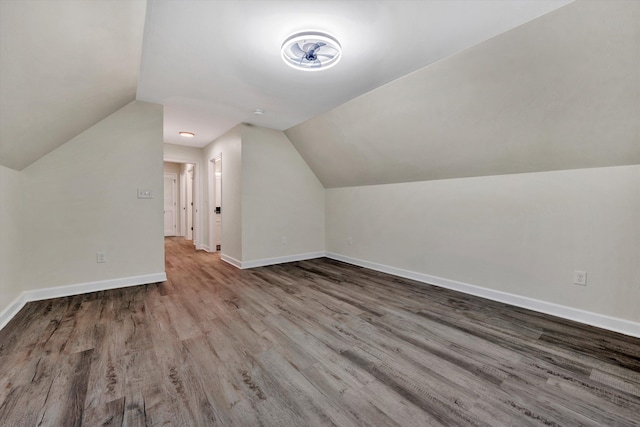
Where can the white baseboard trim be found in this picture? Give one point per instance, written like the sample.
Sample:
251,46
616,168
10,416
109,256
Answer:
623,326
81,288
203,248
281,260
230,260
615,324
12,309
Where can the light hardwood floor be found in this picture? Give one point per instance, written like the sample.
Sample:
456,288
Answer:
308,343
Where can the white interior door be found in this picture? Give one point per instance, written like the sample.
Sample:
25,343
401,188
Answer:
170,204
189,194
218,211
182,185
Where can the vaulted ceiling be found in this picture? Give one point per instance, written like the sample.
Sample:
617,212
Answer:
425,90
212,63
560,92
66,64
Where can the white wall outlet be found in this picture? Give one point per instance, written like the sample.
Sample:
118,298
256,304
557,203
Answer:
350,241
284,240
144,194
580,278
101,257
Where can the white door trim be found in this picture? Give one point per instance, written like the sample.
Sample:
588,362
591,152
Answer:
174,194
190,206
197,238
211,184
183,205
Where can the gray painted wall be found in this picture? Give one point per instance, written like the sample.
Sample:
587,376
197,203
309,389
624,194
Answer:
524,234
281,197
80,199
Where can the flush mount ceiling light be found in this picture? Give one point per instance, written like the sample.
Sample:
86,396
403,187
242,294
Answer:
311,51
187,134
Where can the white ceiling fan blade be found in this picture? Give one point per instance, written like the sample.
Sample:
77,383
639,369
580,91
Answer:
295,49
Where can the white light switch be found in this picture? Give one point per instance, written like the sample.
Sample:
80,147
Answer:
144,194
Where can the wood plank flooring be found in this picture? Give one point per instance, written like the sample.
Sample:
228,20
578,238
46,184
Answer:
310,343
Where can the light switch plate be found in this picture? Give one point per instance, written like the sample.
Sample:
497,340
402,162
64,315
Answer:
144,194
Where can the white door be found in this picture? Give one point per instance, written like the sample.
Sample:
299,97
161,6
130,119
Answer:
218,179
182,185
189,203
170,204
215,203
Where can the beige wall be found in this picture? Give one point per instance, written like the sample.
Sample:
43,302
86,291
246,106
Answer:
11,224
170,167
268,192
82,198
523,234
281,197
182,154
229,146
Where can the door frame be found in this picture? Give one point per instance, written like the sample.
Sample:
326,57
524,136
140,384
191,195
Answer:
191,208
174,196
211,183
183,204
197,238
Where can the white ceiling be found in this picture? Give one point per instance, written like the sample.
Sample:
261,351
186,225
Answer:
212,63
67,64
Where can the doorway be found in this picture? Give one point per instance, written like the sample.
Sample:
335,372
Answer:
184,198
187,208
170,204
215,204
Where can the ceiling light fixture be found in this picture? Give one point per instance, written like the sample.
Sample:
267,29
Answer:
258,112
187,134
311,51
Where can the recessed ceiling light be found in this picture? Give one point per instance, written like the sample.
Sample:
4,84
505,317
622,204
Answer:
311,51
187,134
258,112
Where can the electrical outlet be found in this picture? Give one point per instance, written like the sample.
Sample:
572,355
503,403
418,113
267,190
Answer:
350,241
284,240
101,257
580,278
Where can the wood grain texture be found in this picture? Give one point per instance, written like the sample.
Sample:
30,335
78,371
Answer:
314,342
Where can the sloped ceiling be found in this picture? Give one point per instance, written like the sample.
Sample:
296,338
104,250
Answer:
64,66
212,63
560,92
537,97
